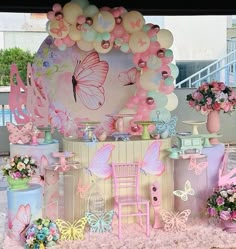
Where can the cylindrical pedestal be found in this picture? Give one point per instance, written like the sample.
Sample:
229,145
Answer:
24,206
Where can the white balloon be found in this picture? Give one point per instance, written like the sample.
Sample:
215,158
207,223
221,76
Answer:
172,102
165,38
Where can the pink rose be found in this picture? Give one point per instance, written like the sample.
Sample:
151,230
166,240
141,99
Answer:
225,215
220,201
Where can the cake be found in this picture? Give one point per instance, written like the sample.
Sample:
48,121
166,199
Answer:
24,206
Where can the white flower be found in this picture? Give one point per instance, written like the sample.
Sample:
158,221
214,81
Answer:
224,193
231,199
26,160
30,241
49,238
32,161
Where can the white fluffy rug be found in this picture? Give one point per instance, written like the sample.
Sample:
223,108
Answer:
196,237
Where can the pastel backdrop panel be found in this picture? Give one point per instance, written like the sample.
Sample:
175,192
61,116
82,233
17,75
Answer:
124,151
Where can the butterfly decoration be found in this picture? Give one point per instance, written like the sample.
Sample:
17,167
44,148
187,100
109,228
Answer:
88,79
72,231
99,165
226,176
168,125
183,194
129,77
19,135
135,24
151,163
175,222
63,164
100,224
37,101
141,42
18,97
197,167
20,222
82,189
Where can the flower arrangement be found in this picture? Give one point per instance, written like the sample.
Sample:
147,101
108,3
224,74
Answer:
41,234
222,203
213,96
20,167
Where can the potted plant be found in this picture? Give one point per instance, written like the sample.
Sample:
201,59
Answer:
19,171
221,205
41,233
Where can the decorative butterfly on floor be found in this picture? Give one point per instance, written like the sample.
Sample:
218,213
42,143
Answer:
175,222
100,224
88,79
99,165
72,231
129,77
151,163
20,222
197,167
183,194
19,135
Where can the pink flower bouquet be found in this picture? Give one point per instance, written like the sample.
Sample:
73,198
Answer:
213,96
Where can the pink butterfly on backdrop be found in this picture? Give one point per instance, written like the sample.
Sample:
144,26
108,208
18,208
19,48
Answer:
99,165
175,222
17,97
151,163
197,167
82,189
129,77
88,79
37,100
19,135
225,176
20,221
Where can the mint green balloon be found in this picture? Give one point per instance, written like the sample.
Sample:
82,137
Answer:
91,10
169,81
174,70
82,3
89,34
168,53
98,37
146,28
106,36
124,48
160,99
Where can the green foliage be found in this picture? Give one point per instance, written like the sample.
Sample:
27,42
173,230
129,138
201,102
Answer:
14,56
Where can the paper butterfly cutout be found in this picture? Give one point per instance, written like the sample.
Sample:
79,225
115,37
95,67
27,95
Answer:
37,100
72,231
99,165
88,79
175,222
183,194
17,97
129,77
151,163
197,167
100,224
20,222
82,189
225,176
19,135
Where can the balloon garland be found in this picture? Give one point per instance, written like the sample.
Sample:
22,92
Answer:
80,24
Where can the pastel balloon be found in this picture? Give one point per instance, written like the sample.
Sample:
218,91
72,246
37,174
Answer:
85,45
71,11
159,98
82,3
149,80
165,88
174,70
139,42
91,10
88,33
74,33
58,29
56,7
100,48
124,48
68,41
154,62
133,21
172,102
118,31
165,38
104,21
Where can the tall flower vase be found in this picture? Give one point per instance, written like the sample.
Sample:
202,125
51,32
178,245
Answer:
213,125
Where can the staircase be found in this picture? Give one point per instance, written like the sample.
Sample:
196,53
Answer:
223,69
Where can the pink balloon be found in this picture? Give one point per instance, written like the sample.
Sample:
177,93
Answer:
56,7
81,19
115,12
154,46
118,31
164,88
118,20
68,42
136,58
167,60
151,33
50,15
125,37
58,42
150,100
122,10
136,99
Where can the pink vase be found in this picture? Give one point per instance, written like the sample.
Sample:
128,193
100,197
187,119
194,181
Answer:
213,125
229,226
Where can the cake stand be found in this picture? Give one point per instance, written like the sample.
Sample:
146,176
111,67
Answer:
119,123
209,139
145,124
194,124
88,128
